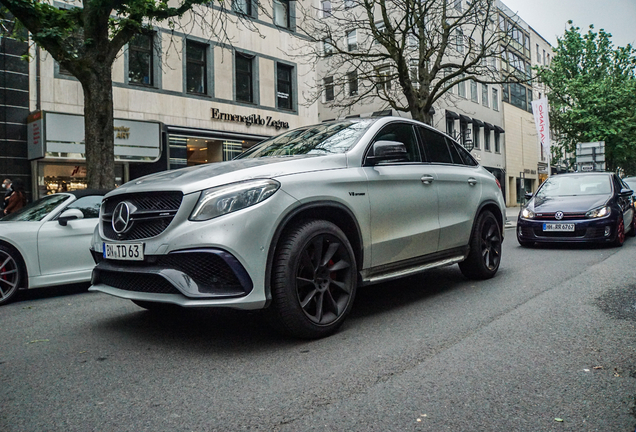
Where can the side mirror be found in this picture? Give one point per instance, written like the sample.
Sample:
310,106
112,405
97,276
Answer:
626,192
528,195
68,215
387,150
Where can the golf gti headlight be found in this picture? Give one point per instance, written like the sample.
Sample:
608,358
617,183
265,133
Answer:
599,212
527,214
226,199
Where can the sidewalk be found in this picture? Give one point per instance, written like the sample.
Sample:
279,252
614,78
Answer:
511,215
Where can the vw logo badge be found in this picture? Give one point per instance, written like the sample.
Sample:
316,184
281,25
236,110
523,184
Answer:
121,217
558,215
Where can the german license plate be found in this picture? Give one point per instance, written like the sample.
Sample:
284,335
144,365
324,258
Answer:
563,227
124,251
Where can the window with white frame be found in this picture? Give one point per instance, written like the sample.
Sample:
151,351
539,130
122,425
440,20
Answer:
326,8
329,89
457,4
352,40
473,91
487,139
459,42
538,54
383,83
327,47
414,69
352,81
348,4
484,95
461,87
495,99
381,29
476,129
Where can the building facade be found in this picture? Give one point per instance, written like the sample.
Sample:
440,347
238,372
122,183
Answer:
182,97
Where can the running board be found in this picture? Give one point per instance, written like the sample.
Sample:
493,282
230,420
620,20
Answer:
396,274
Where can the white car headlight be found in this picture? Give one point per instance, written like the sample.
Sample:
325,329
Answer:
226,199
599,212
527,214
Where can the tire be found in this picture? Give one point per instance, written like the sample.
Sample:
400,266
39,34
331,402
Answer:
485,249
314,280
11,274
632,230
619,239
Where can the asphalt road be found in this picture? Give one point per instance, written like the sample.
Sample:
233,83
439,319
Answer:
552,336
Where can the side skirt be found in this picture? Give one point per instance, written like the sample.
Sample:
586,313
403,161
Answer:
412,266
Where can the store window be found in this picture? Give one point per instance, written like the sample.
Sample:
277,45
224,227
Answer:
244,85
200,150
284,86
67,177
140,60
196,68
497,142
486,139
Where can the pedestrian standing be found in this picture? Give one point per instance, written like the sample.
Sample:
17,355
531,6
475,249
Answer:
17,199
6,185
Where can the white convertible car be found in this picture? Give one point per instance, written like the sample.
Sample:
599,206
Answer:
47,242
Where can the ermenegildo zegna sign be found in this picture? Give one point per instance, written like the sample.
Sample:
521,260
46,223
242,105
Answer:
253,119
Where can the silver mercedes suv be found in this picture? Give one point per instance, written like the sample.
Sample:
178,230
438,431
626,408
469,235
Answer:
297,223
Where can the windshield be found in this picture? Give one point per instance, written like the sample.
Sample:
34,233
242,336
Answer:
37,210
326,138
575,185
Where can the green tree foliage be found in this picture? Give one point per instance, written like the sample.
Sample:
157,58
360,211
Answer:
85,39
593,96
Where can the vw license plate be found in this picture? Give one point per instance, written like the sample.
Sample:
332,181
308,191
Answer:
567,227
124,251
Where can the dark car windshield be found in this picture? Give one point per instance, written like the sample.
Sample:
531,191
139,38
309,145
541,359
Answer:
326,138
575,185
37,210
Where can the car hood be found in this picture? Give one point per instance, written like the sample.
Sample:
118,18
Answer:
567,204
201,177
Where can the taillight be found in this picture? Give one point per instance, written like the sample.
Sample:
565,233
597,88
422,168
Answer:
498,184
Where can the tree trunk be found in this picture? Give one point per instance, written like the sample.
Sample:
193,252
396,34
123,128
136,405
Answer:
98,128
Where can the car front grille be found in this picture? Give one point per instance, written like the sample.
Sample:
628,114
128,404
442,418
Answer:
151,213
147,283
566,216
213,273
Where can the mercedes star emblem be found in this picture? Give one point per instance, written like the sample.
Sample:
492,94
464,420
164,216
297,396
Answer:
558,215
121,217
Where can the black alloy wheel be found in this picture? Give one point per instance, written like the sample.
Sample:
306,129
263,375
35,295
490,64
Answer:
10,274
485,248
314,280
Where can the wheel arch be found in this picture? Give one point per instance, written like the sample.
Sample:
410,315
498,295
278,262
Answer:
333,212
495,210
21,262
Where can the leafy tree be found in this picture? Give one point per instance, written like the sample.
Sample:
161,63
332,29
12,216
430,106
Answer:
593,96
86,41
425,46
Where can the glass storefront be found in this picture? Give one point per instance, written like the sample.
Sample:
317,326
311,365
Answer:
191,151
62,177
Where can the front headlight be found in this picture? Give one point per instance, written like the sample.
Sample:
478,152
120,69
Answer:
599,212
226,199
527,214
